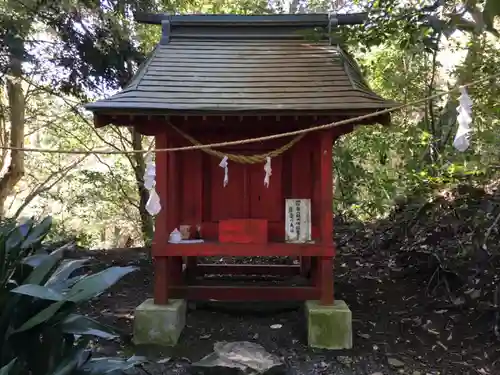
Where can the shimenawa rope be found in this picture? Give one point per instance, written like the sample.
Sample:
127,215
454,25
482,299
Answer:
258,139
239,158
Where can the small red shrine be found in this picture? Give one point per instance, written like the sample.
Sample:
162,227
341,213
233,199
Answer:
221,78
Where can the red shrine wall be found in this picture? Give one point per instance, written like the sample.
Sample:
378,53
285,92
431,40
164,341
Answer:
202,198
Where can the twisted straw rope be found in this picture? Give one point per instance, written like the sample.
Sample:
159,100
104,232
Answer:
258,139
244,159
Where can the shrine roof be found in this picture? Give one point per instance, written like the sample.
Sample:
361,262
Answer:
233,64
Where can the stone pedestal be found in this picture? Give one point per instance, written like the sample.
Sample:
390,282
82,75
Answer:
329,327
159,324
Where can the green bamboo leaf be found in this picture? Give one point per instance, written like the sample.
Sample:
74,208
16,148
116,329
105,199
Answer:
38,291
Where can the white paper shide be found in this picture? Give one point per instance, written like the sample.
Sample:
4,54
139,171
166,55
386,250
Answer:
464,118
223,164
298,220
268,170
153,205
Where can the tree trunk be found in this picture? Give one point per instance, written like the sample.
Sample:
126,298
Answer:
139,167
15,95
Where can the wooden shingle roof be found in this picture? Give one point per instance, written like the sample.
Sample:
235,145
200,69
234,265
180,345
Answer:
244,64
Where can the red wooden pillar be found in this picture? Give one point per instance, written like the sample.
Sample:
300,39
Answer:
160,239
196,181
325,264
173,212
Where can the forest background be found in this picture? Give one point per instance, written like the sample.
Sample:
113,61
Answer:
57,55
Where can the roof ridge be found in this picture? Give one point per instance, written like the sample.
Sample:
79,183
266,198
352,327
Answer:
255,20
141,71
350,65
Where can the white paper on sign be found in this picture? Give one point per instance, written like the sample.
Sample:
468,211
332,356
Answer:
153,204
268,170
223,164
464,119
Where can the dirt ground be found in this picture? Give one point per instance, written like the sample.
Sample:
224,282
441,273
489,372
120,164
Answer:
398,328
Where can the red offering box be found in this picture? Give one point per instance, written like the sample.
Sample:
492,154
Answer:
243,231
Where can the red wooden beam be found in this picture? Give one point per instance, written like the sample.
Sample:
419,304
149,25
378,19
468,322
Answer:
248,269
245,293
231,249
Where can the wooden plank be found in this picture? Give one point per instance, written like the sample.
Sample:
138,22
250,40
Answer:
242,91
301,171
226,201
244,96
266,202
230,249
251,60
269,101
248,269
246,79
241,63
280,66
231,43
340,84
305,266
237,49
230,109
165,71
191,174
245,293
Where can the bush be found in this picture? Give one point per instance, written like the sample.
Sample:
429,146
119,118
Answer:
39,294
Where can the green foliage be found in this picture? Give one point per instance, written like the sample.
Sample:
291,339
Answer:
91,48
39,293
414,157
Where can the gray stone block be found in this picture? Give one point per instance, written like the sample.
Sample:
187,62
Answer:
159,324
329,327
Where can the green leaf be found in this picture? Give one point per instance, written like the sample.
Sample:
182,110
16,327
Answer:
75,359
93,285
41,272
72,362
13,242
111,366
43,316
64,271
6,370
81,325
38,291
3,262
37,234
35,260
491,10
